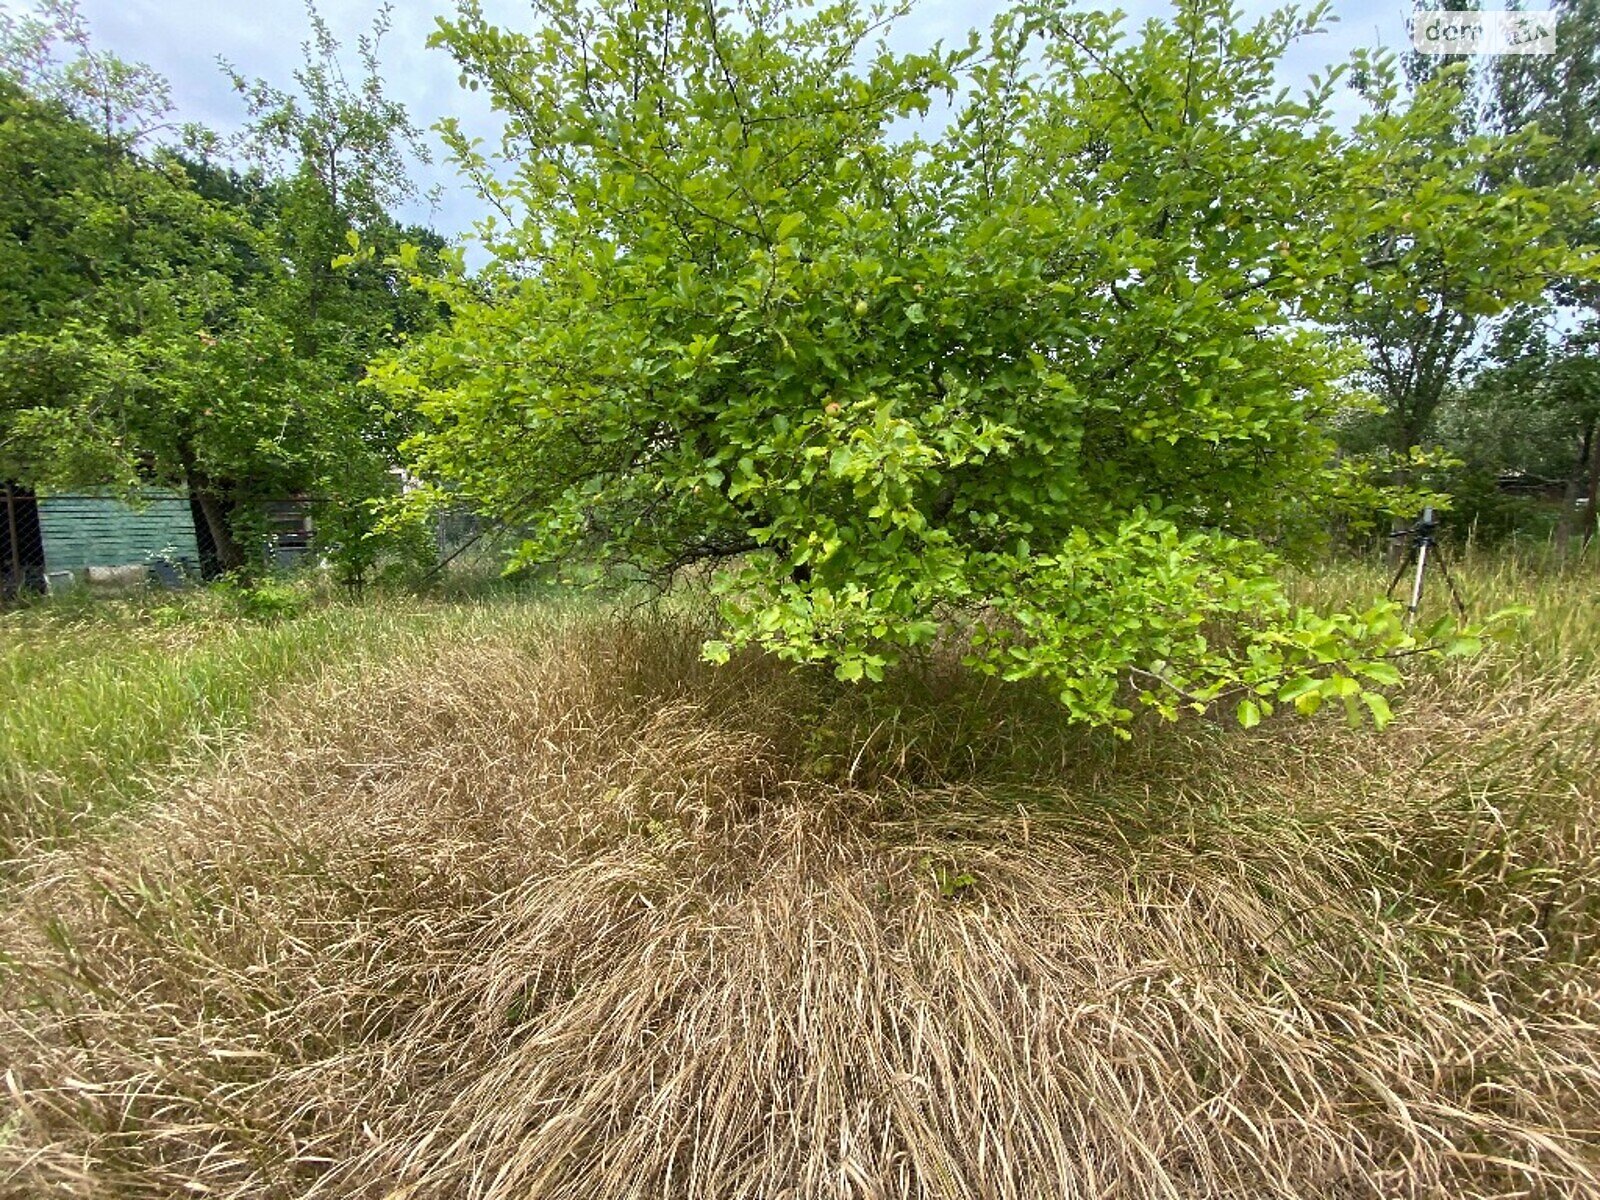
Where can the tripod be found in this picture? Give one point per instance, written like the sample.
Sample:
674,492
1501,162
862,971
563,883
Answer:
1420,540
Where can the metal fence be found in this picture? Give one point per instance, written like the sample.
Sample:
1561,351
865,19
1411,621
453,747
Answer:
22,567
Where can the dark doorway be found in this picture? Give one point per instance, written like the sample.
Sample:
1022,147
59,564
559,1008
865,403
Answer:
21,543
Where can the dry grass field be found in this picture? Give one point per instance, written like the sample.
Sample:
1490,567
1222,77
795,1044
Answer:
521,900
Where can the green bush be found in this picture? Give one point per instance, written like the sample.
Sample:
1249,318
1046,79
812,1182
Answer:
265,600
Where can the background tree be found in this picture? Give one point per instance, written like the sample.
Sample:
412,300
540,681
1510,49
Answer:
1043,381
178,321
343,151
1433,274
1558,96
1532,413
124,278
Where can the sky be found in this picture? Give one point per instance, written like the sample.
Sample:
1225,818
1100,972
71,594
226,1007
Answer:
183,39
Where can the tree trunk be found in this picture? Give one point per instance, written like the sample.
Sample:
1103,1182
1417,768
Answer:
214,508
13,578
1395,551
1591,514
1568,523
1407,432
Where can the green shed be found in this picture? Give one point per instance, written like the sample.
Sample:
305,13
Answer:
79,532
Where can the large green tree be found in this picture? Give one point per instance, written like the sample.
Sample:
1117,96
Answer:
342,150
1048,380
1557,95
134,347
1552,374
1436,273
1533,413
171,319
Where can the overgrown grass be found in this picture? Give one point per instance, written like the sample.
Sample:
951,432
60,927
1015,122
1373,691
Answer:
103,704
1562,635
535,904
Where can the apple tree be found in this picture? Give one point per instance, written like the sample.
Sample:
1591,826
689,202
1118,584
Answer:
1014,344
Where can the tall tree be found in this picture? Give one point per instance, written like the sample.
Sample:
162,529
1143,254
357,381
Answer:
124,280
1557,96
1435,273
179,321
1535,410
344,150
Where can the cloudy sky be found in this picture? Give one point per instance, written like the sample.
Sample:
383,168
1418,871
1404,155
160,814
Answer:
184,39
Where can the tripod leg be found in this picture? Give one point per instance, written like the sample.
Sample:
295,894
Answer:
1461,605
1398,571
1416,586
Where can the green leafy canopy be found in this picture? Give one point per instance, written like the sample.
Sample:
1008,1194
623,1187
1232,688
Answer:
168,319
1046,377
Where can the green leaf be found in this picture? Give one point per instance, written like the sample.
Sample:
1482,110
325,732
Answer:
1308,702
1342,686
1379,707
1301,685
1381,673
1249,714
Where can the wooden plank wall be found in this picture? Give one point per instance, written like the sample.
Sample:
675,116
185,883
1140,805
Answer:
98,531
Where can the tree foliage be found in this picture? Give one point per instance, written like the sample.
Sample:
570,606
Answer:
171,319
1458,236
1548,368
1047,381
342,152
1558,96
1533,413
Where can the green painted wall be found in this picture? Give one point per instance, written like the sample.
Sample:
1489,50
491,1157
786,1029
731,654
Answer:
97,531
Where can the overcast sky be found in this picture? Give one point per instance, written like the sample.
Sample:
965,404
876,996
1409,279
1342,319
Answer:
183,39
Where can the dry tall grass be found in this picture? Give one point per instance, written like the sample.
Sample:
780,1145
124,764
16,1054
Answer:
579,917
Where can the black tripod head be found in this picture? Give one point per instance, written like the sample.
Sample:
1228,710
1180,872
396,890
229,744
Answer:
1422,533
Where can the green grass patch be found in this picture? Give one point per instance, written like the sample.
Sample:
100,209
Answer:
101,705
